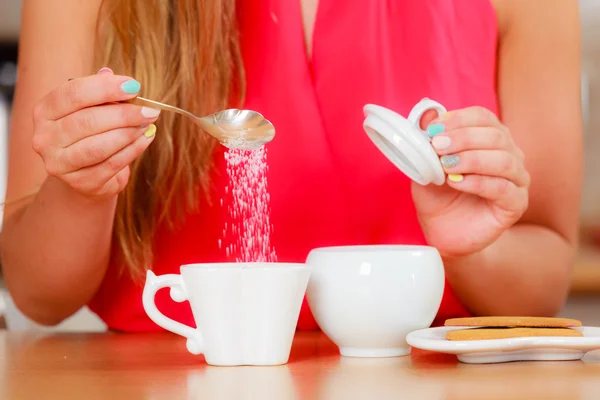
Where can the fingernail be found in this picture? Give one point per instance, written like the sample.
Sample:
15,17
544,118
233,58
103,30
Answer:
456,177
149,112
131,86
441,142
151,131
435,129
449,161
104,70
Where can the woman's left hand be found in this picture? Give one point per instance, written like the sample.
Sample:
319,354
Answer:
487,183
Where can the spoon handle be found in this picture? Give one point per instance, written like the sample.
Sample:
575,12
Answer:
141,101
155,104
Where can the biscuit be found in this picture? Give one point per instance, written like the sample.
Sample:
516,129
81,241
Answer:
509,322
505,333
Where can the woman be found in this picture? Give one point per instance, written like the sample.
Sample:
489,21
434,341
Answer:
99,194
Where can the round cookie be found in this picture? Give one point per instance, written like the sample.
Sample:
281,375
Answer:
506,333
525,322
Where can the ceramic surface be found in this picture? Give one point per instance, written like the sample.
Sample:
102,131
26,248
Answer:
246,313
403,141
366,299
506,350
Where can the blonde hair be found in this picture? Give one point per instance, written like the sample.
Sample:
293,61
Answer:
184,53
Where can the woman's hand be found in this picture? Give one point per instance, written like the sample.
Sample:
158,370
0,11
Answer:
87,138
487,183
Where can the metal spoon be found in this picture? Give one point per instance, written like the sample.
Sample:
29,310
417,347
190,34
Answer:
234,129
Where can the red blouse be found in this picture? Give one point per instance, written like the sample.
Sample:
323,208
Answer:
329,185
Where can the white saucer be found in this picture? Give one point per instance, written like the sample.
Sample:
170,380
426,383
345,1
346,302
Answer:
505,350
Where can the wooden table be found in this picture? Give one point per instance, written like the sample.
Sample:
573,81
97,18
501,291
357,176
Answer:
156,366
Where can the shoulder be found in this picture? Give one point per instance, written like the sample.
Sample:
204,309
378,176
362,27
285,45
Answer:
532,16
56,42
539,86
69,22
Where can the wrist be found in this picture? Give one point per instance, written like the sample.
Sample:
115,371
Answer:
463,274
71,198
460,266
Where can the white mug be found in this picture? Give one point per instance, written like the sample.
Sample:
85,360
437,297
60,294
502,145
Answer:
367,299
246,313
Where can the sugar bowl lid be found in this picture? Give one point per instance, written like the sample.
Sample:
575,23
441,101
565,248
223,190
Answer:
403,141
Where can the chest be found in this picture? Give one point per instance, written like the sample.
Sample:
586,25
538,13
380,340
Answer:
387,52
308,10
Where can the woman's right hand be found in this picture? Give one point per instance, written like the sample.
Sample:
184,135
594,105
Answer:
87,136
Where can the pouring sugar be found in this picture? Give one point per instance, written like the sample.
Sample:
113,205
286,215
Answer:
248,235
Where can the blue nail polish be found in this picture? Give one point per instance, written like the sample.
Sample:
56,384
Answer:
435,129
131,86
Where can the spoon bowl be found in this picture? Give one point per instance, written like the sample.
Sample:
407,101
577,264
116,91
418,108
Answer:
239,129
233,128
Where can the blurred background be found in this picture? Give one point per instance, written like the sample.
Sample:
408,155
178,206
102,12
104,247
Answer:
584,300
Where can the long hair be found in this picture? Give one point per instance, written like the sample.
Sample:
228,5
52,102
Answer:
184,53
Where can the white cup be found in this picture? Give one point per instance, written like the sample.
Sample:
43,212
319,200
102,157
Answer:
366,299
246,313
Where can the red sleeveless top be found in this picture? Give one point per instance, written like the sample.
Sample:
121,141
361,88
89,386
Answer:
329,185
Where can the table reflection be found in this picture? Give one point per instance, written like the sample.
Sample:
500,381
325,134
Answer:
157,367
384,378
243,383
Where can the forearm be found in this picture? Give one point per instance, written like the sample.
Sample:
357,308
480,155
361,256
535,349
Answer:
55,252
525,272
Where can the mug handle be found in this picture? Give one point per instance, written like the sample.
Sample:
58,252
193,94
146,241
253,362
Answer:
194,344
421,108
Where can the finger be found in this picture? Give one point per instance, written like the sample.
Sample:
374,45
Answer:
521,154
116,184
105,70
99,148
98,119
496,163
122,178
428,117
86,92
467,117
499,190
94,178
473,138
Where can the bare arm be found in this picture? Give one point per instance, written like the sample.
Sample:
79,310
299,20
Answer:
539,89
55,246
